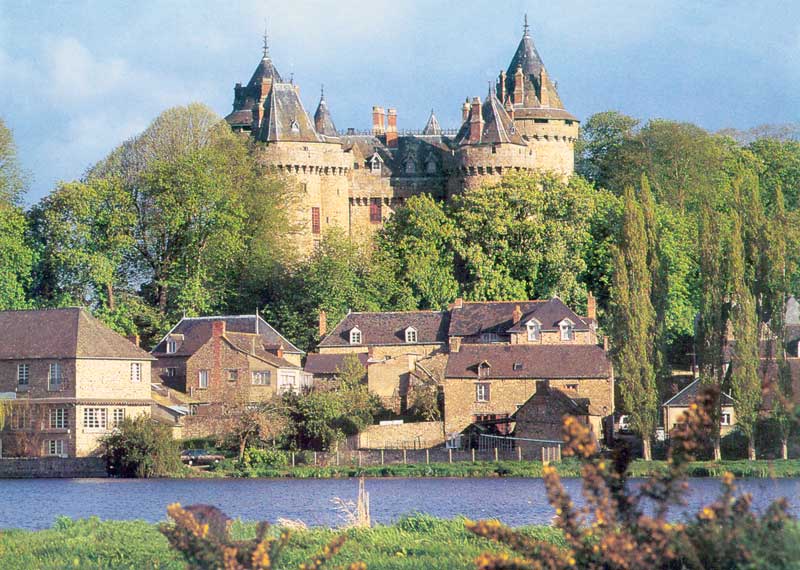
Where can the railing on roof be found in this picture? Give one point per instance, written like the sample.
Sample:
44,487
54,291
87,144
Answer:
402,132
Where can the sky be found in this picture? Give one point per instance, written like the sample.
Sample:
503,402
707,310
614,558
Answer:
78,78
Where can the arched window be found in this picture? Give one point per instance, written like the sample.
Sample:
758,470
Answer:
533,327
566,327
411,335
355,336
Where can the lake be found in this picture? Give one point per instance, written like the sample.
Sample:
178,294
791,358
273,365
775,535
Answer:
35,503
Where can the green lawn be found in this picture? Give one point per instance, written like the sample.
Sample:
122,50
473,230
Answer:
414,542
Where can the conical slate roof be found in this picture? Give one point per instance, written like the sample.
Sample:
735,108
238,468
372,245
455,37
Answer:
285,119
498,127
250,95
323,122
432,127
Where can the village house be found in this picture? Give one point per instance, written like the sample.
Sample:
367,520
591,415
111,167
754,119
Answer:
674,408
69,381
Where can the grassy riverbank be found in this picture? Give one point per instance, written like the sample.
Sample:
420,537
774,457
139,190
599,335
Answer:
567,468
414,542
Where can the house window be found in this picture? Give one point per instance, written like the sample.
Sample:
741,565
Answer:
233,375
411,168
172,346
482,392
295,127
573,387
23,374
54,376
355,336
19,418
95,418
375,164
59,418
136,371
375,215
202,377
171,372
55,447
533,331
430,168
315,225
483,370
411,335
490,337
261,377
118,416
566,331
725,419
517,366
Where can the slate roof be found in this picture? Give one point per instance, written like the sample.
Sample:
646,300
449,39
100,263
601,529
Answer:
329,363
61,333
243,342
685,397
323,122
498,127
432,127
496,316
285,119
389,328
409,147
528,58
196,330
242,114
540,361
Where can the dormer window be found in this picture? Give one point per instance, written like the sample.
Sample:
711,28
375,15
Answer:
411,335
411,168
355,336
567,332
431,168
534,328
490,337
483,369
375,163
172,346
295,127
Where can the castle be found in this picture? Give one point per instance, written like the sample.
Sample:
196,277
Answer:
356,180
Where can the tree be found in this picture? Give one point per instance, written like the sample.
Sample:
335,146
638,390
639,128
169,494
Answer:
744,380
140,447
602,137
632,319
713,309
247,423
13,179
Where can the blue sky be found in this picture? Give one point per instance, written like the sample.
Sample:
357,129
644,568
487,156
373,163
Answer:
79,77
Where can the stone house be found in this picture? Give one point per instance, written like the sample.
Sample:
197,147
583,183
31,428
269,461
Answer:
542,416
325,367
674,408
392,342
356,180
69,380
224,359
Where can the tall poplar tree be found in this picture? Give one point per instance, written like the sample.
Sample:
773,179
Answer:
745,382
632,319
713,313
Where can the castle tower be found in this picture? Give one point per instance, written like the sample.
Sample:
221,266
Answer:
432,127
323,122
248,98
539,115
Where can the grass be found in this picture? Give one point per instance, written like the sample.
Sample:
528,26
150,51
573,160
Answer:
416,541
567,468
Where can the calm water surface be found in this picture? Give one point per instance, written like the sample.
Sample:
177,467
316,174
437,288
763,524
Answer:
34,503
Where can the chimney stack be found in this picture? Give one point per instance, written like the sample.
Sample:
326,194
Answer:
217,328
279,351
502,85
591,306
391,128
476,121
323,323
516,316
544,94
458,303
465,110
519,88
378,121
134,339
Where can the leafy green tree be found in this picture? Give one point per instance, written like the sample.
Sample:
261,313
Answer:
632,320
744,380
140,447
602,137
780,169
421,239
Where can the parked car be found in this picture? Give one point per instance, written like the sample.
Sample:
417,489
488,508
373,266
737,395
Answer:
199,457
624,424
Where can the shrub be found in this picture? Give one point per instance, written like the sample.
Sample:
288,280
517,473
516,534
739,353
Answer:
202,534
140,447
614,533
267,457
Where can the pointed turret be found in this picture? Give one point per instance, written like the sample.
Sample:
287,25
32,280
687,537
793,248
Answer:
322,117
285,119
432,126
488,123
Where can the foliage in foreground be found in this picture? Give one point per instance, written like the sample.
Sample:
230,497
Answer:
139,447
202,534
614,531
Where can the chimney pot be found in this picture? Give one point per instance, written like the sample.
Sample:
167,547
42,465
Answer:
323,323
217,328
516,316
459,303
391,128
378,116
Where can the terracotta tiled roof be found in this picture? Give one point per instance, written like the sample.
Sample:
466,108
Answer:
196,330
62,333
390,327
329,363
529,361
496,316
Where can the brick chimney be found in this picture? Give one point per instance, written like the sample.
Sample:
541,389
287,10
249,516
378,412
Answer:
476,121
502,90
455,343
391,128
605,343
279,351
134,339
516,316
591,306
519,88
323,323
465,111
258,116
458,303
378,121
544,94
217,328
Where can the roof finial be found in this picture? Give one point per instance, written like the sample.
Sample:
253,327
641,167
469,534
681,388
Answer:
322,92
525,27
266,41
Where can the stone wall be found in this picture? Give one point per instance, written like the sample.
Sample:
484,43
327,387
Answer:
112,379
52,467
417,435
